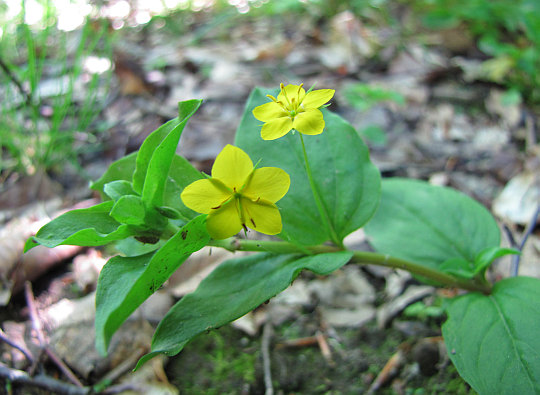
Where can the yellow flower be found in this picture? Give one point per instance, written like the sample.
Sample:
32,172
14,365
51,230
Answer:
293,109
238,196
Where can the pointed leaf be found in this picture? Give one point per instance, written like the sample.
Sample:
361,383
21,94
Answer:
126,282
155,155
88,227
116,189
493,339
129,209
122,169
233,289
486,257
181,174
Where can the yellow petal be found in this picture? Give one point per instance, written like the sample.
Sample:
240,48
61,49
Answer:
224,222
315,99
268,183
269,111
262,216
204,195
309,122
290,93
277,128
232,166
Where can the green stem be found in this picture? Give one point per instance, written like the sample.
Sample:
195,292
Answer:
373,258
322,212
169,231
359,257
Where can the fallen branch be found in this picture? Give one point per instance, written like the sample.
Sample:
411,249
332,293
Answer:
54,386
16,346
41,381
36,324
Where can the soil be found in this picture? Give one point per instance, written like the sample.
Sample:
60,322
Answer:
228,362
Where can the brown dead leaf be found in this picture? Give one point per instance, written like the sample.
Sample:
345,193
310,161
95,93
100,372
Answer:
37,187
16,268
131,76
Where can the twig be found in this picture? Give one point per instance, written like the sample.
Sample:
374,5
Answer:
510,236
36,324
120,388
22,349
528,232
389,371
300,342
123,367
265,346
63,367
41,381
54,386
324,347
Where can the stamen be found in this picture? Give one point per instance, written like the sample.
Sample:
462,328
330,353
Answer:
238,203
248,215
294,106
282,105
285,94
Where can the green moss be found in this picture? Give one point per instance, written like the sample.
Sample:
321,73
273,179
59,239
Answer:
220,362
228,362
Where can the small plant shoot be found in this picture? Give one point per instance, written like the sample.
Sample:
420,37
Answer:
302,174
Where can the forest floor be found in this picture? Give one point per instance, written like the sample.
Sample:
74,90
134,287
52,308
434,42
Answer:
422,111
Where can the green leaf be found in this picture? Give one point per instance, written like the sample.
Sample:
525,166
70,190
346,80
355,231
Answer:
181,174
156,155
467,269
458,267
233,289
430,225
348,183
493,339
122,169
129,209
84,227
126,282
133,247
116,189
486,257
